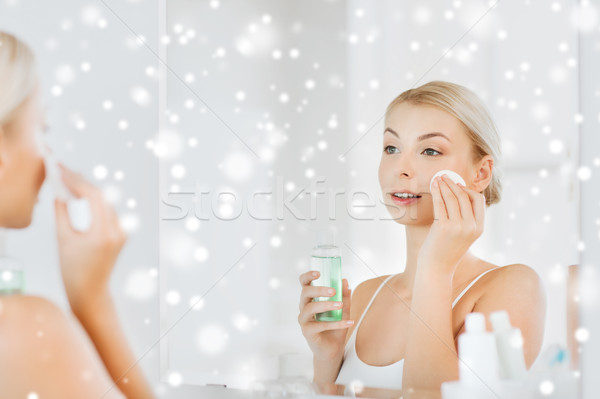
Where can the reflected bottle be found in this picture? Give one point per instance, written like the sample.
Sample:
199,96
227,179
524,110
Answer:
12,280
327,261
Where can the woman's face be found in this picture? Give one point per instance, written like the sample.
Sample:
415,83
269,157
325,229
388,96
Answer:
411,156
22,170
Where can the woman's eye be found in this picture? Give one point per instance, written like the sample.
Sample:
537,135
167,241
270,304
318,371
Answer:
390,149
431,149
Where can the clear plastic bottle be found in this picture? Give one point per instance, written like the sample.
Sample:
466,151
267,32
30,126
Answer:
12,279
326,259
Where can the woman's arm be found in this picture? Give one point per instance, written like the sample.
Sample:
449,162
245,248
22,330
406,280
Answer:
87,260
431,357
98,317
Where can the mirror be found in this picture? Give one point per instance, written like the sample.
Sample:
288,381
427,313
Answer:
271,123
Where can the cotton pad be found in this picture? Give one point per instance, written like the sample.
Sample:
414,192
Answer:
80,214
455,177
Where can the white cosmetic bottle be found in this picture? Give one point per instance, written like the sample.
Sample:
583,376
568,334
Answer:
478,363
510,347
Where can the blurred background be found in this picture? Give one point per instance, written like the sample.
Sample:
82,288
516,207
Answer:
208,124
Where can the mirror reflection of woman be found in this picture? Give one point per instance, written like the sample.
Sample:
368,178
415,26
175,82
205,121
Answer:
400,332
44,352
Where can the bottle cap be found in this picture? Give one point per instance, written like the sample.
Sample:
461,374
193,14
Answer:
325,237
475,323
500,321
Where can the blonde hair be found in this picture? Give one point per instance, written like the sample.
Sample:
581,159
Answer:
468,108
18,76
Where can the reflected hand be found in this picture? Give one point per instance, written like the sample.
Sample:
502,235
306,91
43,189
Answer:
326,339
459,221
87,258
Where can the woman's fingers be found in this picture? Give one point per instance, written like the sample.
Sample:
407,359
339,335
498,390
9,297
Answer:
450,199
308,312
346,298
316,327
306,278
464,200
478,205
439,207
81,188
310,291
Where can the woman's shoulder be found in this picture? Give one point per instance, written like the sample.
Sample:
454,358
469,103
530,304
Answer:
514,274
25,319
512,282
23,309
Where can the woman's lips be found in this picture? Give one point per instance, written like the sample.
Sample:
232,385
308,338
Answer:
408,201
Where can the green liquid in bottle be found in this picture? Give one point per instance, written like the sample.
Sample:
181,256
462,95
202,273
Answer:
330,268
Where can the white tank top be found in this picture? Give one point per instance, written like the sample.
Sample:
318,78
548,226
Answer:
389,377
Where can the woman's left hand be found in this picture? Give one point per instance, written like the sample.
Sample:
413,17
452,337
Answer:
459,215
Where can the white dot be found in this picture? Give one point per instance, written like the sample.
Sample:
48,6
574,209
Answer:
189,78
322,145
275,241
546,387
240,96
178,171
119,175
192,224
294,53
131,203
56,91
247,243
220,52
212,339
201,254
582,334
150,71
140,285
525,66
100,172
32,395
309,173
414,46
123,124
196,302
107,105
80,124
578,118
7,275
502,34
276,54
309,84
359,12
509,75
449,15
274,283
266,19
214,4
584,173
374,84
174,379
140,96
555,146
173,297
535,190
284,97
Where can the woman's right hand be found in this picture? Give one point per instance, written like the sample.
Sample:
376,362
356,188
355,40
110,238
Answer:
87,258
325,338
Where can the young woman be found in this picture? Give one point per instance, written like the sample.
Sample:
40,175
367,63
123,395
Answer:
408,323
43,352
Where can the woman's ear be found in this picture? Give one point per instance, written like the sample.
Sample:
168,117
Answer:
483,175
